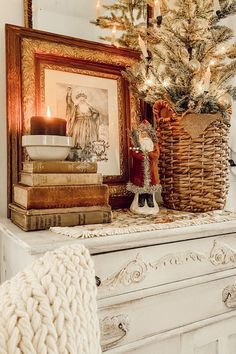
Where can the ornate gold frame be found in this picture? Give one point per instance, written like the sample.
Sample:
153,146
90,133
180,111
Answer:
29,53
28,20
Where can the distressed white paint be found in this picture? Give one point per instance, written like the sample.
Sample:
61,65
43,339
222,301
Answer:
174,307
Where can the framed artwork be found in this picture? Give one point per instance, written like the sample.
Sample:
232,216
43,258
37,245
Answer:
76,78
92,104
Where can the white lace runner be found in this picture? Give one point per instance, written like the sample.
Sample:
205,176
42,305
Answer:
125,222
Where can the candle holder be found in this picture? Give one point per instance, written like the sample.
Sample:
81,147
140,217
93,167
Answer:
47,147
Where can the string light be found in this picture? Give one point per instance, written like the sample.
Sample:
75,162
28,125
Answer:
113,34
149,82
212,62
222,50
166,83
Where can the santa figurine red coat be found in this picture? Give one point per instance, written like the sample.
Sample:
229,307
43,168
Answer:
144,176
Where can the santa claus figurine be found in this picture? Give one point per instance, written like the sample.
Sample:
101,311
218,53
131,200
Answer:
144,176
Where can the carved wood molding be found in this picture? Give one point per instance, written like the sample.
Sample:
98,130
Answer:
136,270
222,254
133,272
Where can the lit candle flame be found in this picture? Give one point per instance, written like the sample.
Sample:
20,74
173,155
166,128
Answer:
48,114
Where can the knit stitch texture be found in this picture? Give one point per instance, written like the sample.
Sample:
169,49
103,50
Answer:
50,307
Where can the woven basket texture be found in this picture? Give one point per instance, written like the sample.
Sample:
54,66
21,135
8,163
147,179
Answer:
193,171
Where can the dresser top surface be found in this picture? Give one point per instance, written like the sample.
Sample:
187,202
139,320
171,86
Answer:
37,242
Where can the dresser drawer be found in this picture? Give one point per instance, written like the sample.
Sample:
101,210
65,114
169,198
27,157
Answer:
134,319
140,268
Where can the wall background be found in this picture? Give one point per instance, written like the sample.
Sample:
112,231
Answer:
12,13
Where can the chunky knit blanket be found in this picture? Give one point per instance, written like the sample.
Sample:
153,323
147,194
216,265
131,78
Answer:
50,308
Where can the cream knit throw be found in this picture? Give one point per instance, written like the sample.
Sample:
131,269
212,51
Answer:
51,306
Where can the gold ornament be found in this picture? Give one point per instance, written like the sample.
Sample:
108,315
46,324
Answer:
195,65
225,100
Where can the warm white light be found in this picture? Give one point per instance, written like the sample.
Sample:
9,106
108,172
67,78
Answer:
212,62
48,114
222,50
166,83
149,82
113,34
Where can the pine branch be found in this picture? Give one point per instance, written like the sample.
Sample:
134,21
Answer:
188,41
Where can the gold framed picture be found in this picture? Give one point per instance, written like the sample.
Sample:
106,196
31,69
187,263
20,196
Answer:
45,69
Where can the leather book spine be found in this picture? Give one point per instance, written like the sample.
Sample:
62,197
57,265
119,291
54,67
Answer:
54,179
43,222
59,167
61,196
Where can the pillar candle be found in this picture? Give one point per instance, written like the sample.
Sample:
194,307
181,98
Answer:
47,125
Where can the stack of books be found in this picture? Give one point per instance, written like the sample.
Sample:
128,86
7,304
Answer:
59,193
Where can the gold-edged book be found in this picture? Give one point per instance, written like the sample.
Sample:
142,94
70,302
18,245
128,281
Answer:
49,197
55,179
59,167
42,219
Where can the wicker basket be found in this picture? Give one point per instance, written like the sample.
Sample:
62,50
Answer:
194,155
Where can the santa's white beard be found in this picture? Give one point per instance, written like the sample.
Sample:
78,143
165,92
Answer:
146,144
83,107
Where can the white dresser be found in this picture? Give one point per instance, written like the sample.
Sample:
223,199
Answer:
161,292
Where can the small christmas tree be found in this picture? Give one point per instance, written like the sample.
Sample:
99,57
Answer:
187,59
187,63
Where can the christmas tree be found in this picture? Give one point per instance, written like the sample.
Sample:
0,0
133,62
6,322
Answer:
188,58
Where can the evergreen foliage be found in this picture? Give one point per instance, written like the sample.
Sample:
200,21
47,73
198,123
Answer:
190,44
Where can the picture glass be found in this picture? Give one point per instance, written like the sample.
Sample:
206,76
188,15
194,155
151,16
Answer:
90,106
